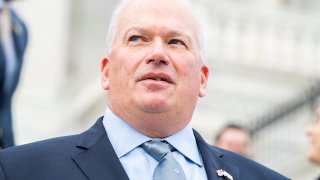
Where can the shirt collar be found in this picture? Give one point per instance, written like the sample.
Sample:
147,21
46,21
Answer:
185,142
124,138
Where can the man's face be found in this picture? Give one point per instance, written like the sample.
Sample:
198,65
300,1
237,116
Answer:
313,131
236,140
155,65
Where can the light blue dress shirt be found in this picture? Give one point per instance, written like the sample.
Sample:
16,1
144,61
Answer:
138,164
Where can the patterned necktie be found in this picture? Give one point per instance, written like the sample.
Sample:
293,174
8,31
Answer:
168,168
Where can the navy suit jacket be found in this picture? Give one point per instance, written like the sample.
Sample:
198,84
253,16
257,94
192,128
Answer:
90,155
19,35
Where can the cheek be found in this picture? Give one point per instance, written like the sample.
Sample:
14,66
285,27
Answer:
123,62
316,138
192,74
314,152
315,142
188,66
191,82
315,133
118,75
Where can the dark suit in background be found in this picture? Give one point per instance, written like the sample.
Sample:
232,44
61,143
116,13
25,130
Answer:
19,35
90,155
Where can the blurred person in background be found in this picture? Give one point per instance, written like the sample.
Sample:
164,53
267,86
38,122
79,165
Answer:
313,132
234,138
154,73
13,41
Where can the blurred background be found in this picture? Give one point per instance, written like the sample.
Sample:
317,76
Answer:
264,58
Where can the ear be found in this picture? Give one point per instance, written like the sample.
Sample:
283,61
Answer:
204,80
105,73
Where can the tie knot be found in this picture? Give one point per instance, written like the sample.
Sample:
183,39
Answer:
168,168
157,149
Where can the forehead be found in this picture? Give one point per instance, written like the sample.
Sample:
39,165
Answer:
159,14
230,132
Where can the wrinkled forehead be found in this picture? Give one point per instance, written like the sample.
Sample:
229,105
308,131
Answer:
179,11
157,5
236,132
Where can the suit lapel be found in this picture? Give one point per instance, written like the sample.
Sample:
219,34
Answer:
98,160
213,160
19,34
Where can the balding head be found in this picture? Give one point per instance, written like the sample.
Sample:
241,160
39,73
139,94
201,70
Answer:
136,6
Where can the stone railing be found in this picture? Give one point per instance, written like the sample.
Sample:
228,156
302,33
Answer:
275,39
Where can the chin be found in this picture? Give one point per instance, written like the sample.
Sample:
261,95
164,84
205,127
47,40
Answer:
315,158
155,106
154,109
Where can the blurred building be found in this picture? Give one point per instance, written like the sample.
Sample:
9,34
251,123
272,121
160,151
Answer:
264,58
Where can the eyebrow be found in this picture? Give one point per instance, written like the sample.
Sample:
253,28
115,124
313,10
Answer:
138,29
171,33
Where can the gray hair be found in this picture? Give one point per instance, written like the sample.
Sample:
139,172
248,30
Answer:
123,3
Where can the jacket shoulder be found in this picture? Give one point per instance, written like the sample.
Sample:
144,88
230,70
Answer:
248,168
40,148
53,158
240,167
39,159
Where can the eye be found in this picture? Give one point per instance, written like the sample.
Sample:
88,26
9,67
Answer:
177,42
135,38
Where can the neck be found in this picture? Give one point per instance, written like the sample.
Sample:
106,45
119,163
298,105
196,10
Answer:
153,125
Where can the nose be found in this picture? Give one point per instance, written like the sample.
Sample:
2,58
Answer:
158,53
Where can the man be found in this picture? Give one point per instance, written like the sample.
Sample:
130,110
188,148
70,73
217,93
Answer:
154,73
313,131
13,41
234,138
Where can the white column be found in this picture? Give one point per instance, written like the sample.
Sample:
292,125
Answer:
35,106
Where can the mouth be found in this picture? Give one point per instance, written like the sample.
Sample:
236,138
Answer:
161,77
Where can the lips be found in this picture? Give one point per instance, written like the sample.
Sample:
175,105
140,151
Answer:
157,77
